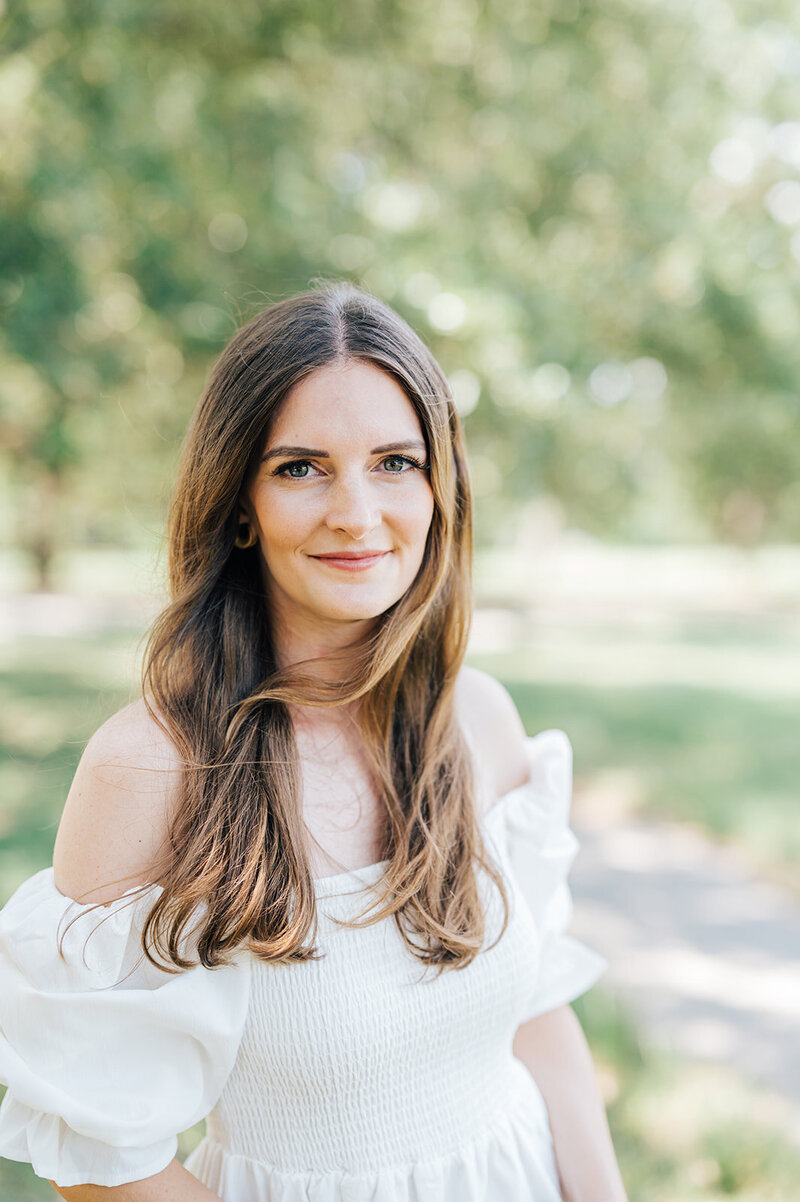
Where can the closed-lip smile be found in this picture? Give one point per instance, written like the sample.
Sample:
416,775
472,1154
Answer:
352,561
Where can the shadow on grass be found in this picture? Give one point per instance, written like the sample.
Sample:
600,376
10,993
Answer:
683,1132
726,762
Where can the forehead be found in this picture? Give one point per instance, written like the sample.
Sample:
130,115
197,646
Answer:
341,402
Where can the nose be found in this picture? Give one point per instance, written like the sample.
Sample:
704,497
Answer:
352,507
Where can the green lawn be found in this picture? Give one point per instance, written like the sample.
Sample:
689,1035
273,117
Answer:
726,758
721,753
54,692
685,1132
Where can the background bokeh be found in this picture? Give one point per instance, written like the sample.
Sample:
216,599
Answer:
590,209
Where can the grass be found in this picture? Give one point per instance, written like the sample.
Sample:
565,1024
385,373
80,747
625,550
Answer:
53,694
724,757
685,1132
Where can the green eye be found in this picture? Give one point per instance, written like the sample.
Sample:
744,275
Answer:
404,459
283,470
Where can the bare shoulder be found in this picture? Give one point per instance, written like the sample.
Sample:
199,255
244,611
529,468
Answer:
492,725
118,812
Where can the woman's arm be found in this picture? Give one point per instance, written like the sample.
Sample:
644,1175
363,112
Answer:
553,1048
113,827
172,1184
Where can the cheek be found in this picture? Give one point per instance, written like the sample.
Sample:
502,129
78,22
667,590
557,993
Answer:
417,514
282,522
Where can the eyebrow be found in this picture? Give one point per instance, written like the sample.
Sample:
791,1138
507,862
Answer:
414,443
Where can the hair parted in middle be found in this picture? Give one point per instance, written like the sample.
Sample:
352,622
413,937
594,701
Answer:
211,680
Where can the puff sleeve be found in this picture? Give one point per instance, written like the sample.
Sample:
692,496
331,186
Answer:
541,847
106,1057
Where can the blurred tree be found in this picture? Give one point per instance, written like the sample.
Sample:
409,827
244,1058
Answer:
590,210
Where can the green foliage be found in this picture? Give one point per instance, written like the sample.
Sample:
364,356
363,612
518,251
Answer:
586,208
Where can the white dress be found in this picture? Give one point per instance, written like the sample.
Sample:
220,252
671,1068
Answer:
358,1077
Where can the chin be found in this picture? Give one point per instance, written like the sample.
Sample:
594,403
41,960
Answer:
356,612
363,614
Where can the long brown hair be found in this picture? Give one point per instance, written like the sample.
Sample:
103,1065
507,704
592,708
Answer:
211,680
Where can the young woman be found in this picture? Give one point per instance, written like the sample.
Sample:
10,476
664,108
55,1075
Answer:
313,884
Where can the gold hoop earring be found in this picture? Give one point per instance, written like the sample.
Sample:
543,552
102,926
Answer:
249,541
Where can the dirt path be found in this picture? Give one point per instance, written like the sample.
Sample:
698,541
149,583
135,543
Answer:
706,954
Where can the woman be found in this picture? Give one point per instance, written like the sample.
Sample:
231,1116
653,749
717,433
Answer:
313,884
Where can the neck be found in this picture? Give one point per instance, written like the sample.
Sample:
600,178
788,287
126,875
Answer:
318,654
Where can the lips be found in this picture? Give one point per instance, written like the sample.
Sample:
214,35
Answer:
352,561
350,555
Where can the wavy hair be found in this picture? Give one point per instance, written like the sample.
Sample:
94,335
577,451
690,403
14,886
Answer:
211,680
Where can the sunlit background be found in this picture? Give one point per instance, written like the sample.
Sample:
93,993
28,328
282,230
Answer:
591,212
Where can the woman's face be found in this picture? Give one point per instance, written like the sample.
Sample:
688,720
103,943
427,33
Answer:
342,472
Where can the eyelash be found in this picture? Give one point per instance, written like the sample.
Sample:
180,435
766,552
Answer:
282,470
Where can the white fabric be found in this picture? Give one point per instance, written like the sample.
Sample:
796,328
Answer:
104,1061
358,1076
